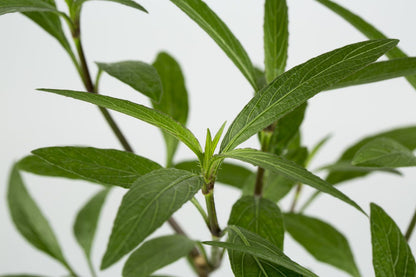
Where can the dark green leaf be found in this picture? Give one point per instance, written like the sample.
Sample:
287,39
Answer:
322,240
276,37
103,166
297,85
39,166
129,3
199,12
155,254
368,30
138,75
392,256
151,200
146,114
11,6
260,248
288,168
87,219
174,100
384,152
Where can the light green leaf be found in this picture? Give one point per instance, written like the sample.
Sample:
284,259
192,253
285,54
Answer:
11,6
392,256
316,148
20,275
368,30
141,112
129,3
29,220
263,250
174,100
384,152
87,219
322,240
289,169
39,166
155,254
103,166
151,200
297,85
199,12
276,37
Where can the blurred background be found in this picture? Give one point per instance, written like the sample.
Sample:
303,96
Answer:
29,119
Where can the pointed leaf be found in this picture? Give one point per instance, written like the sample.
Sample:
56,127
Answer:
155,254
39,166
103,166
297,85
392,256
148,115
199,12
151,200
289,169
322,240
11,6
87,219
20,275
138,75
276,37
129,3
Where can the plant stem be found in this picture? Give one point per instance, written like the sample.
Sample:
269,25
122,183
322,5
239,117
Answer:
411,227
258,189
296,197
91,267
200,210
212,214
309,201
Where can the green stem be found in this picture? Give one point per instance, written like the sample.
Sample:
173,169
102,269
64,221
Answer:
212,214
309,201
411,227
200,210
91,267
258,188
296,197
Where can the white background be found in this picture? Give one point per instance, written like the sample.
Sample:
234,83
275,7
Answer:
29,119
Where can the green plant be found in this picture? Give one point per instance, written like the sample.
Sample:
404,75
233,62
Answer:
256,229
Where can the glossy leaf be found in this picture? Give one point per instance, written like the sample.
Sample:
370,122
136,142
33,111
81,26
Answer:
263,250
288,168
174,100
87,219
297,85
39,166
155,254
151,200
138,75
148,115
199,12
276,37
368,30
12,6
392,256
103,166
322,240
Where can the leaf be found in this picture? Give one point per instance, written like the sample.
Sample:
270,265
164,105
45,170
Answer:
29,220
174,100
316,148
276,37
20,275
87,219
380,71
252,244
392,256
199,12
368,30
322,240
151,200
143,113
405,136
11,6
297,85
129,3
155,254
384,152
138,75
289,169
103,166
39,166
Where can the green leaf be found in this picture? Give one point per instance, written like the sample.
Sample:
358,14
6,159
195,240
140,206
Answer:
20,275
129,3
87,219
151,200
405,136
155,254
289,169
138,75
276,37
380,71
368,30
174,100
251,244
11,6
199,12
392,256
141,112
297,85
29,220
103,166
39,166
316,148
322,240
384,152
